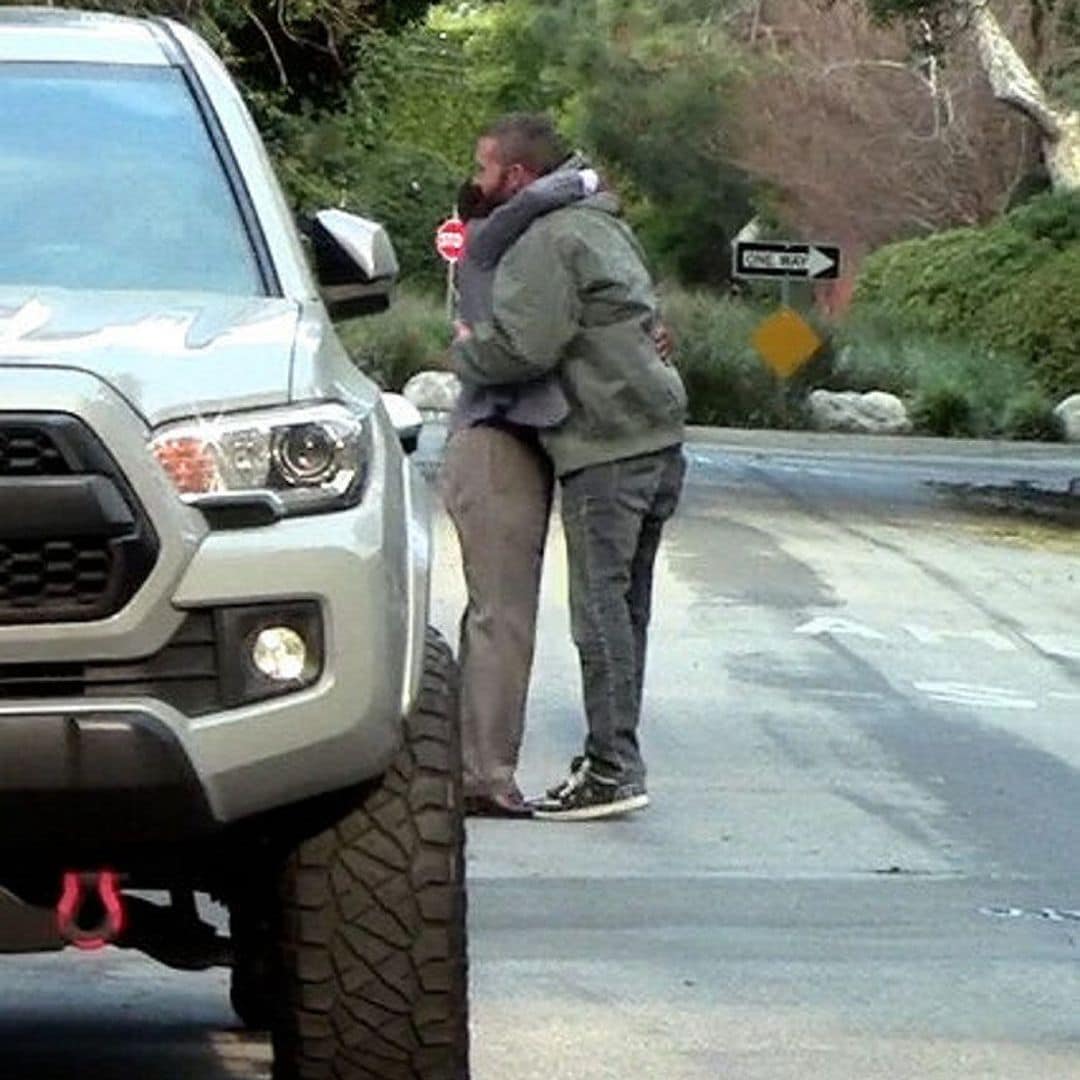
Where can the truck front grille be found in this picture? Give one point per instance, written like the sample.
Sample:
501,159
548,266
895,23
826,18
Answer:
37,574
29,451
75,543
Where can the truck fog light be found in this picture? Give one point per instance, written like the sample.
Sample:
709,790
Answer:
280,654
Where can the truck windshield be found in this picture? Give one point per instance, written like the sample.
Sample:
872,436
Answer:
109,180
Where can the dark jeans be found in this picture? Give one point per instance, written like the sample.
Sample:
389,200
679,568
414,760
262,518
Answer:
613,516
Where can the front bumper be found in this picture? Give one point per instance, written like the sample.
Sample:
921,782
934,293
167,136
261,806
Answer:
80,785
363,570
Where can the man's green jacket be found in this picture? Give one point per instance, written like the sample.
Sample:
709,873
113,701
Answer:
573,296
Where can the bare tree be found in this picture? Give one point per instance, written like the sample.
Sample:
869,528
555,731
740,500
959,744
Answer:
1012,78
861,141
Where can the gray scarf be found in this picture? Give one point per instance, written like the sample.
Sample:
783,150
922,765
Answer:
541,403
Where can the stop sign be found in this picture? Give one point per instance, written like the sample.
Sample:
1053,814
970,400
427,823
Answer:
450,240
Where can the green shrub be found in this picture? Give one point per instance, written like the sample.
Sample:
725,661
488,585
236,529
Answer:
1011,288
951,389
868,356
1039,320
410,191
942,371
1054,218
944,408
726,381
1030,415
941,284
414,335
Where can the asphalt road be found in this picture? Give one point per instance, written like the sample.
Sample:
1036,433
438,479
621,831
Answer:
862,859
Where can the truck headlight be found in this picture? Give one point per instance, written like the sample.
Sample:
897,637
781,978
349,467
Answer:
309,459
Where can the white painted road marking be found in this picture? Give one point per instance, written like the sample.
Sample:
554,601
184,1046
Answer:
971,695
1053,644
1048,913
855,695
925,635
832,624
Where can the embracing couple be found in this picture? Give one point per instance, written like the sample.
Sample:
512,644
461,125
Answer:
565,377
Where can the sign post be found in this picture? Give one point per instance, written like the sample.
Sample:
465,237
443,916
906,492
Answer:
450,240
786,341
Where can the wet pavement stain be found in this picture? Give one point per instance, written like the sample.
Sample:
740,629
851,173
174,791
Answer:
731,563
1031,502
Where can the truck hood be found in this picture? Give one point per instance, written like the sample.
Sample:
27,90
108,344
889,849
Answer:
171,355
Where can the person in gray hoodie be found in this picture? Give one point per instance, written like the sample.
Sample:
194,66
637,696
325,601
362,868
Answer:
572,299
497,485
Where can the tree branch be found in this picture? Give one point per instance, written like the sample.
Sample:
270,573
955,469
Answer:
942,99
895,65
755,24
329,49
268,38
1010,78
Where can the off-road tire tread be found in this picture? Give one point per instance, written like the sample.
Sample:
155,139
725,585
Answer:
373,931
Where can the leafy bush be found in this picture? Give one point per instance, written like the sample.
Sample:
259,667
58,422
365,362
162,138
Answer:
645,87
1039,319
944,407
726,381
1053,218
414,335
1012,288
407,189
279,51
951,388
1030,415
868,357
943,283
410,191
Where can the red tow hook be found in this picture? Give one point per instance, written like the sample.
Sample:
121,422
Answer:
90,914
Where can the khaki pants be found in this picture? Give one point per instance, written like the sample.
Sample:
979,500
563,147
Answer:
497,488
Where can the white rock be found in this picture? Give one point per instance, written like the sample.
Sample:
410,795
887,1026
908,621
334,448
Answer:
1068,412
433,391
876,413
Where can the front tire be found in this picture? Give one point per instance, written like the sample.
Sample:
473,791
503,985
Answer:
373,931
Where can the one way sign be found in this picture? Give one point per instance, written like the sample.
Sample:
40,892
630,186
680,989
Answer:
817,262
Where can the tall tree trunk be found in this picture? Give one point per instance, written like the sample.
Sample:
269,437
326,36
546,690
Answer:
1014,84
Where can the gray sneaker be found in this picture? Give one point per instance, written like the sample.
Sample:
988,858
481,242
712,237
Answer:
586,795
577,764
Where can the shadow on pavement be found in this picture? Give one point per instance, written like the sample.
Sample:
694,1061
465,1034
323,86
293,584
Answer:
46,1046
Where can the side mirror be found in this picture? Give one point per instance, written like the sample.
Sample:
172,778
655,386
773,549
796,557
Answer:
355,263
406,418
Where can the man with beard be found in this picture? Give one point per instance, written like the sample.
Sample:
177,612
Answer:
572,301
497,485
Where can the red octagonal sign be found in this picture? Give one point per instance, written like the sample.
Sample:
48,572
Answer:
450,240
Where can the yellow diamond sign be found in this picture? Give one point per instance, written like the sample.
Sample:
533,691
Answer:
786,341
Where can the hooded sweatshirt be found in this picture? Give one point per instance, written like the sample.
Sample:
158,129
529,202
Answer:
572,297
538,403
